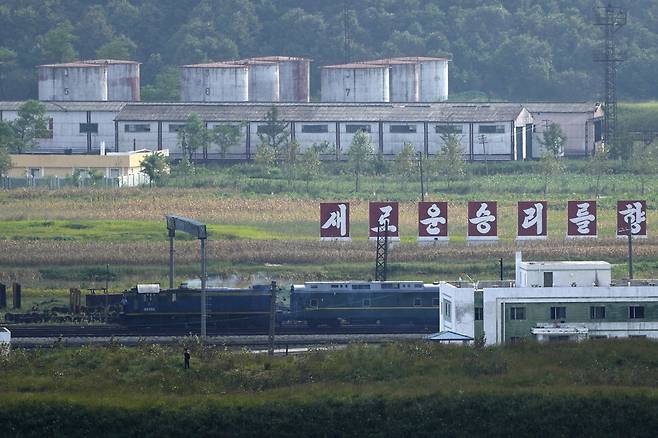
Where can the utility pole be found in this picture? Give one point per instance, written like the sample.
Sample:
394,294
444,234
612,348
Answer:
612,19
630,249
483,140
270,337
422,180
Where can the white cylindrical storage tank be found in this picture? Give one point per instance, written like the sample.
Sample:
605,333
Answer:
215,82
355,83
433,79
263,81
75,81
404,80
123,79
294,80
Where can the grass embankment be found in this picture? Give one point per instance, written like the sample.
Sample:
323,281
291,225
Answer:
591,388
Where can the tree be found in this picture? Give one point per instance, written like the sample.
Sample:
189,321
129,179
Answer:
310,164
449,163
30,124
119,47
553,139
154,166
274,133
165,86
598,166
226,136
642,164
7,62
405,164
550,165
95,177
57,44
288,159
359,155
5,161
265,158
192,137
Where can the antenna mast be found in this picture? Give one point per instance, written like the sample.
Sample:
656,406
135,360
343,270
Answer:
612,19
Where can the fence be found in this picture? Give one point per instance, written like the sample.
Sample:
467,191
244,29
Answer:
56,182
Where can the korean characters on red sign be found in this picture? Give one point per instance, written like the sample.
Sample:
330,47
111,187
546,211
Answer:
334,221
581,219
432,221
632,215
482,220
532,220
382,215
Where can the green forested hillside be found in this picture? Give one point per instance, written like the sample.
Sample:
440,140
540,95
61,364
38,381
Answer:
508,49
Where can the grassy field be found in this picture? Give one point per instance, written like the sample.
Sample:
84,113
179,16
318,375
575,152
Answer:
54,239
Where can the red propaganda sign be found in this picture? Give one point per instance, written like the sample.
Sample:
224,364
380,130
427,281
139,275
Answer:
335,221
581,219
632,214
482,220
381,214
532,220
432,221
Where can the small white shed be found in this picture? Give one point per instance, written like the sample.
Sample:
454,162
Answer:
564,274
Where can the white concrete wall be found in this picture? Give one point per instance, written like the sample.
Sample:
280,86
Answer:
533,275
307,139
496,143
494,298
435,142
143,140
462,315
346,138
394,142
579,133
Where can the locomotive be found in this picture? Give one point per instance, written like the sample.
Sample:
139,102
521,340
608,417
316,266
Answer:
311,303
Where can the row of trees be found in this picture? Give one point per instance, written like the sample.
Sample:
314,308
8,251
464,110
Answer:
507,49
20,135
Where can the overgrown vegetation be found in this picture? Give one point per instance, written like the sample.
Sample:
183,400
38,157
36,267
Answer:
414,387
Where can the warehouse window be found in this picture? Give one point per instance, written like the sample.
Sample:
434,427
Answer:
315,129
517,313
558,313
313,302
353,129
636,312
140,127
597,312
176,127
491,129
114,172
448,129
35,172
447,309
88,127
479,313
366,302
402,129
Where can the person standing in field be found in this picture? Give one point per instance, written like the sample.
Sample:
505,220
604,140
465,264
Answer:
186,358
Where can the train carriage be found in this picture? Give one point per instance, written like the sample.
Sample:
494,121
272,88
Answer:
358,302
226,307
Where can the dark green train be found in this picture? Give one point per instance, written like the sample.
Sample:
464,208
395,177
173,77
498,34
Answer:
359,302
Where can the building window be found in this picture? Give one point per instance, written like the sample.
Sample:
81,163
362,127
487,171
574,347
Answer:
360,286
448,129
313,302
491,129
366,302
558,313
34,172
315,129
418,302
114,172
137,128
447,309
402,129
435,302
268,130
479,313
88,127
597,312
176,127
353,129
517,313
636,312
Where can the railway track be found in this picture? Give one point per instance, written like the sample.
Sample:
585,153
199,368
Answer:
97,331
